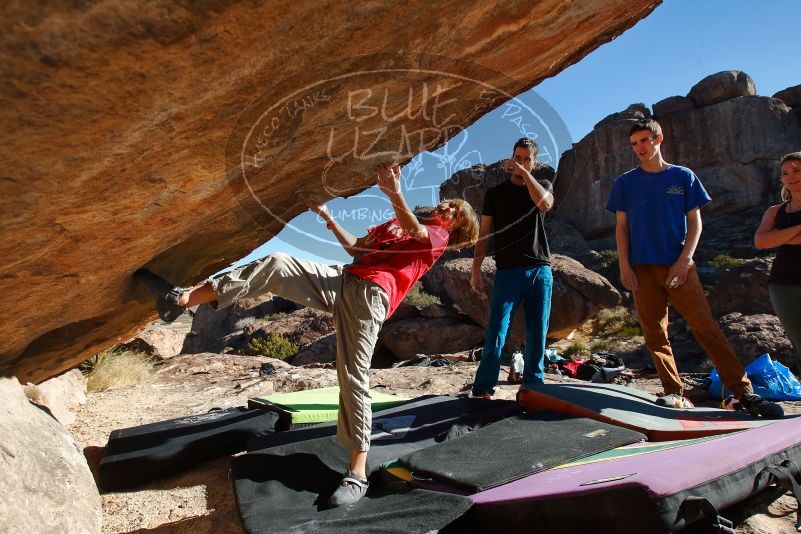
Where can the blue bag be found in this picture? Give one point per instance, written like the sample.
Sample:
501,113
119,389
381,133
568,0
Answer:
771,380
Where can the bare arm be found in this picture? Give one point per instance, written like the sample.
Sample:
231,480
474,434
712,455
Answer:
768,236
388,179
542,198
627,276
681,267
694,227
345,238
479,253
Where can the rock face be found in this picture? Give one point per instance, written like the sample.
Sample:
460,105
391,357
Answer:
792,97
408,338
753,335
177,140
729,137
44,478
744,289
578,294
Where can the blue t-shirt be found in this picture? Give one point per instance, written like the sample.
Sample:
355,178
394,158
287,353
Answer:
656,206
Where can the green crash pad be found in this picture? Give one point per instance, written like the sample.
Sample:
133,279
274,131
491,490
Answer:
314,406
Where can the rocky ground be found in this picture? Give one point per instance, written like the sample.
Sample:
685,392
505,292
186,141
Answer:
202,501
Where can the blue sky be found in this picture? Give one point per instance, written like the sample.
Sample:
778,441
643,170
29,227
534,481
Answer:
680,43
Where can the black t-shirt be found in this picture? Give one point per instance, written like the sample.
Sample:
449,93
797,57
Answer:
517,226
785,270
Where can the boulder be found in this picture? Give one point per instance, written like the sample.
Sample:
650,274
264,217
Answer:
753,335
635,112
408,338
743,289
301,327
790,96
563,238
44,478
722,86
160,340
210,327
439,311
61,395
578,294
671,105
177,141
321,350
738,168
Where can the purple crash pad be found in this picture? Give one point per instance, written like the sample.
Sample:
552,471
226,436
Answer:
661,473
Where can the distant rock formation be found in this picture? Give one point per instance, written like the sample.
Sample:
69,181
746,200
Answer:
721,130
792,97
176,135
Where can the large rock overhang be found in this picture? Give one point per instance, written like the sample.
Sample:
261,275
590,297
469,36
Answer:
141,133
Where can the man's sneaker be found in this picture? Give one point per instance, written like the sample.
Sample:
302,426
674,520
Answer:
755,405
674,400
166,294
350,490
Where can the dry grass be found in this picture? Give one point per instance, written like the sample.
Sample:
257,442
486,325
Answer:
419,298
115,369
578,348
617,322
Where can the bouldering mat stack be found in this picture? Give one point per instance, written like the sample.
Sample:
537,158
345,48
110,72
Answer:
312,406
284,486
149,452
645,488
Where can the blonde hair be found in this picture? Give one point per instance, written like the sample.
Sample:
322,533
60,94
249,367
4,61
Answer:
465,233
792,156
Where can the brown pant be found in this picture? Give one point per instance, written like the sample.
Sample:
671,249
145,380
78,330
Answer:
651,299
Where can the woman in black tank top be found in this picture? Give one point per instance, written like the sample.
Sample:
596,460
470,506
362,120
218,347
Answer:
781,227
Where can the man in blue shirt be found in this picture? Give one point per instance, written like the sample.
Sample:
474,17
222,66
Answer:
658,213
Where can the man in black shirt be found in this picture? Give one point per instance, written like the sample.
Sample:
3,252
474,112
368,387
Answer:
513,214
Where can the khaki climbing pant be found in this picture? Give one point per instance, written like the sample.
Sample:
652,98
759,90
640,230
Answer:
359,308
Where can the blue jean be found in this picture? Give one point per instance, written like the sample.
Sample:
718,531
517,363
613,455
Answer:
532,286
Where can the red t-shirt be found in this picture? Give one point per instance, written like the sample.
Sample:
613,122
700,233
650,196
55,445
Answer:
398,260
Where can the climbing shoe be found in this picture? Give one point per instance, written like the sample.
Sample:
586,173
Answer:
350,490
166,294
674,400
755,405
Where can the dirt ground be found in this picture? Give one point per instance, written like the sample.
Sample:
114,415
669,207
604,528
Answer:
202,501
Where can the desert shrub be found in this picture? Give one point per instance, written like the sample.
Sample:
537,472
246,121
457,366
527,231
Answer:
115,369
600,345
630,331
724,263
617,322
272,346
419,298
578,348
